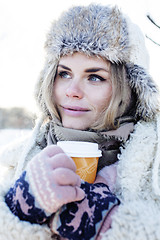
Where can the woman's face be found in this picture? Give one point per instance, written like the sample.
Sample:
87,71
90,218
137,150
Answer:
82,90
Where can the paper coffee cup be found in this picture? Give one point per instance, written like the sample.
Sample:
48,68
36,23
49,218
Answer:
85,156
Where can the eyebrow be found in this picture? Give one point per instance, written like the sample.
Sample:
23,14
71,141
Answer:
89,70
95,70
63,66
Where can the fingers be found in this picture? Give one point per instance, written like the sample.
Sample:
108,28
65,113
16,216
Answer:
47,153
109,173
53,180
64,176
50,151
55,157
62,160
71,194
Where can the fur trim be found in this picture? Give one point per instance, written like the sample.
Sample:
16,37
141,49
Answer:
146,90
134,220
102,31
91,35
139,54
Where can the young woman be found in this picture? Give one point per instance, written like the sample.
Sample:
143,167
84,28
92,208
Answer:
95,87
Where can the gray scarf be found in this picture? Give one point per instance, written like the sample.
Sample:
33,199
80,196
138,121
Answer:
109,141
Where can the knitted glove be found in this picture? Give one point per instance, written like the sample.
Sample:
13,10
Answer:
23,204
50,182
83,219
108,175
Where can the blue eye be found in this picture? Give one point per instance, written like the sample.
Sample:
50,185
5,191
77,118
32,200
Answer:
64,74
95,78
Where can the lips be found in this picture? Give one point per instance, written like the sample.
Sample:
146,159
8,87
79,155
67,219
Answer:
74,110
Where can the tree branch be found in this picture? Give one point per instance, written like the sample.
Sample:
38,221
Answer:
152,21
152,40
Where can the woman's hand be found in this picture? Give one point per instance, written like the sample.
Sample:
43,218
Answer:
108,175
88,218
52,179
48,183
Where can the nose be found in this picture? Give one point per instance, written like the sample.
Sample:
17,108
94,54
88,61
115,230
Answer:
74,89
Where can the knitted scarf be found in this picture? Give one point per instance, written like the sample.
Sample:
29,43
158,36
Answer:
109,141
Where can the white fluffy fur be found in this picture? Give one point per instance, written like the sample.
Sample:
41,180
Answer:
139,54
138,216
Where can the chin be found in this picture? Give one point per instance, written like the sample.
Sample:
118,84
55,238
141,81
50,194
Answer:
75,126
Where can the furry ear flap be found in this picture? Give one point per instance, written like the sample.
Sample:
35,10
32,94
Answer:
146,90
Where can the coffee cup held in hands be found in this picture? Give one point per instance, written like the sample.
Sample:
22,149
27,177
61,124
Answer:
85,156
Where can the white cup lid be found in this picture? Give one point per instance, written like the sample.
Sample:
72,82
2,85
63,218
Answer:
80,149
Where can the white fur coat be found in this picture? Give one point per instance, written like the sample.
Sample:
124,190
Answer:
138,216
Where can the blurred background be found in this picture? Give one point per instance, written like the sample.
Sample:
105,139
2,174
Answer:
23,27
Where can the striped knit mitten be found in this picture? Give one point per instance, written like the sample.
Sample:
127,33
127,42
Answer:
49,182
84,219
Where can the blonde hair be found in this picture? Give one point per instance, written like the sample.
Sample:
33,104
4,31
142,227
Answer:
120,100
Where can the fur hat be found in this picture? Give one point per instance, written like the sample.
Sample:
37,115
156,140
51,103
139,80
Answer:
106,32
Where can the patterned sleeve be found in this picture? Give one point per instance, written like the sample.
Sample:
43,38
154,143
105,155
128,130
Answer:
83,219
22,203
